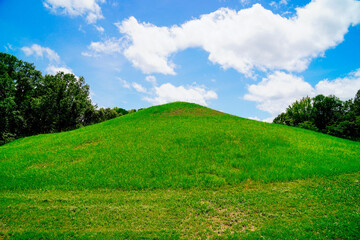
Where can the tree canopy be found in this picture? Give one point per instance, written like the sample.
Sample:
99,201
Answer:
31,103
326,114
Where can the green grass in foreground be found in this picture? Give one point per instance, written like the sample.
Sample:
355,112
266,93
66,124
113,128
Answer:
318,208
178,145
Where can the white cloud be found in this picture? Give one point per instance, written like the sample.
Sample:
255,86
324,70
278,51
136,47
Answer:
124,83
92,94
151,79
254,118
169,93
344,88
80,28
51,55
100,29
253,38
90,9
40,51
8,47
269,120
51,69
109,46
278,4
138,87
245,2
150,48
279,90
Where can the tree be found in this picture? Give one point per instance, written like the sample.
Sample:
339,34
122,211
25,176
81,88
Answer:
20,80
327,114
326,111
121,111
300,111
64,101
31,103
26,97
8,112
356,104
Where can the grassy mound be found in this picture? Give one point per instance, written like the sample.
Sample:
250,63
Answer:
177,145
180,171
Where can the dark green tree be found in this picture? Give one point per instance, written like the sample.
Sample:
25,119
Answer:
64,101
356,104
8,110
22,84
32,104
326,111
121,111
327,114
300,111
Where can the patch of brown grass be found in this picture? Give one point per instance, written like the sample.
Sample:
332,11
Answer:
85,145
41,165
194,112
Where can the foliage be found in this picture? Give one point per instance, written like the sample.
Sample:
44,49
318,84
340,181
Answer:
121,111
326,114
32,104
308,125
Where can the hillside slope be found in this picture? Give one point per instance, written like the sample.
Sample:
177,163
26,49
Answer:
177,145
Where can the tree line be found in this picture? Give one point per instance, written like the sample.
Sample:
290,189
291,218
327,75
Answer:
31,103
326,114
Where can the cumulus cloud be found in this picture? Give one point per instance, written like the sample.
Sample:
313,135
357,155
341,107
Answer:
90,9
51,69
109,46
53,58
344,88
150,46
279,90
253,38
169,93
40,51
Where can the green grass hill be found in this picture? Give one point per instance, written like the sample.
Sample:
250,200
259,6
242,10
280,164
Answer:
189,171
177,145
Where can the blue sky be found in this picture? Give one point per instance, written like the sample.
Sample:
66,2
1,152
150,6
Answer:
245,57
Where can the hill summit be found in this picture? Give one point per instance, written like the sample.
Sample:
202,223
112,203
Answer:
179,109
176,145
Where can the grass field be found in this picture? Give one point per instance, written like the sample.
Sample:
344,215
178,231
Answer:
180,171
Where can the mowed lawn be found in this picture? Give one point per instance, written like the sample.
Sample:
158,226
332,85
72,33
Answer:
180,171
315,208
